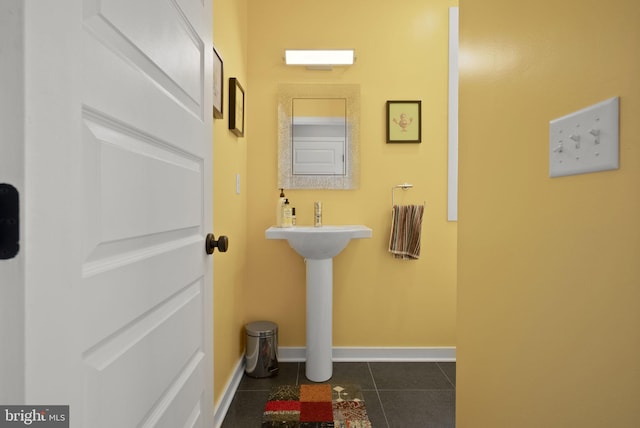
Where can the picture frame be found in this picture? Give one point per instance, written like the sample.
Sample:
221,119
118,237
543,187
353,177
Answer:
404,121
218,85
236,107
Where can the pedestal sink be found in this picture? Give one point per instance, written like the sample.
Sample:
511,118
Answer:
319,245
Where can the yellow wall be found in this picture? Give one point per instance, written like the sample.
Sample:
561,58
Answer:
548,269
230,209
401,54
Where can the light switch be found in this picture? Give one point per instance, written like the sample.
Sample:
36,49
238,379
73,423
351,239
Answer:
237,184
586,140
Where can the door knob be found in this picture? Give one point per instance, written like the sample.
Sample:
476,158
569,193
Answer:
210,243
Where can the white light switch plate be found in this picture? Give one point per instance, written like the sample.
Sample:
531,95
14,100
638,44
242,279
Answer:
585,141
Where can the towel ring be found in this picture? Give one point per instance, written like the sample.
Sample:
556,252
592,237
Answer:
403,186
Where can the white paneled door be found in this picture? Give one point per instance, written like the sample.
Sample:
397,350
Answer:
116,206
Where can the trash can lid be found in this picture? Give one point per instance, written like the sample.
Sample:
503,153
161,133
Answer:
261,328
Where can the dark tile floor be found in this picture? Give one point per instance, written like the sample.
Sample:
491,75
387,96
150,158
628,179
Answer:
397,395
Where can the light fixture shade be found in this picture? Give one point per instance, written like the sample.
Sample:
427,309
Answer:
319,57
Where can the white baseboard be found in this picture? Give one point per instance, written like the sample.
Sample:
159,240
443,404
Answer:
365,354
227,396
340,354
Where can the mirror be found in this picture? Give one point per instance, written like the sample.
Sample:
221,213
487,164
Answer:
319,136
318,127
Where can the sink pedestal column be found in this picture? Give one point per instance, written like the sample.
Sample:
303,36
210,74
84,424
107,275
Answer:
318,246
319,365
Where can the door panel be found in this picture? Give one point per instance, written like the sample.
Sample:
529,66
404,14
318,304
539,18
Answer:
172,58
115,298
143,331
143,186
134,365
127,300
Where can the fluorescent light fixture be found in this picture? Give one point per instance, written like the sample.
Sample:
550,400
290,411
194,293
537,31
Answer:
319,57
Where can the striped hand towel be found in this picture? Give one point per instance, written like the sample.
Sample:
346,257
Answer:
406,227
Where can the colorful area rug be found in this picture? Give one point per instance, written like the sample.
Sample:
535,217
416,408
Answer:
315,406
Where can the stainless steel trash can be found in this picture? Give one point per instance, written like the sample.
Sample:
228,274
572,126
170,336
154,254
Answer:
261,356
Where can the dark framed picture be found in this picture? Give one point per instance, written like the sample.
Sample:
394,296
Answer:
218,84
236,107
404,121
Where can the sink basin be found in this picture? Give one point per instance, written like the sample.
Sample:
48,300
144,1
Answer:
323,242
318,246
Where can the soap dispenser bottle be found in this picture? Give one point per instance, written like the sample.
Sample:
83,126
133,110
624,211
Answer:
279,207
287,217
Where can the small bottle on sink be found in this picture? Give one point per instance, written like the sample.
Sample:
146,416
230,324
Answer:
317,214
